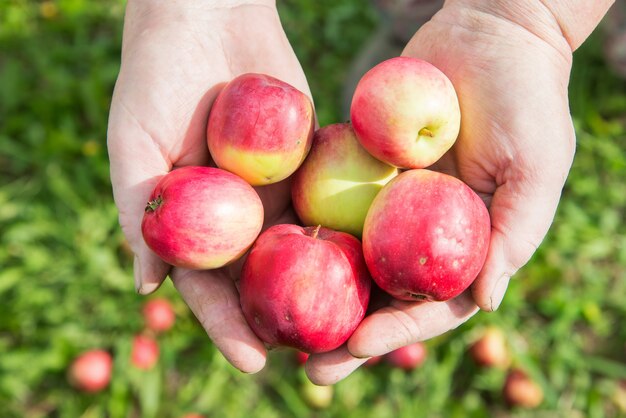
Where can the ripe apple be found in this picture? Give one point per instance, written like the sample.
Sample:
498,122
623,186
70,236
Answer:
158,314
405,112
91,371
301,357
520,390
304,287
408,357
426,236
201,217
338,180
260,128
490,349
145,352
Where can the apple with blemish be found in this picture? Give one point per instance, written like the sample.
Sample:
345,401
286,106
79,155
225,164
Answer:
304,287
426,236
338,180
201,218
405,112
260,128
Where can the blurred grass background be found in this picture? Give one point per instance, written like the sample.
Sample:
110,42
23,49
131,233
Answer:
65,274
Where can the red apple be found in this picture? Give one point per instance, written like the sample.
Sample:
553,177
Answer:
426,236
408,357
405,112
158,314
306,288
338,180
144,352
372,361
201,217
490,349
260,128
301,357
91,371
520,390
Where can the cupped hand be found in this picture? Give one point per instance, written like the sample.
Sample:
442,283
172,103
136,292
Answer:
515,150
176,56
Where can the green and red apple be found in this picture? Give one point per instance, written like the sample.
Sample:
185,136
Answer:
338,180
405,112
260,128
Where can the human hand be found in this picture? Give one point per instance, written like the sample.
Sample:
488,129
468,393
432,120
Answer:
515,150
176,56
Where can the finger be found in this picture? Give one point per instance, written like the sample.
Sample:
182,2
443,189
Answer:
329,368
212,297
521,214
133,180
403,323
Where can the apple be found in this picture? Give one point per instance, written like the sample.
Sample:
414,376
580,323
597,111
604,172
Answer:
338,180
405,112
301,357
521,391
490,349
372,361
144,352
91,371
426,236
260,128
304,287
318,397
408,357
201,217
158,314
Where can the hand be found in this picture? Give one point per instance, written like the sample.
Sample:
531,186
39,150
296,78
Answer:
515,150
175,58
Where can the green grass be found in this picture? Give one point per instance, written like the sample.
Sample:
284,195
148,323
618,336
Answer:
66,283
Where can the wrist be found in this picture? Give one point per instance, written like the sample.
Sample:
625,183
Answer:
561,23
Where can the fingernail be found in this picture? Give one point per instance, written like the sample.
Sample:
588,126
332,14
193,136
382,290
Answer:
497,294
147,288
137,274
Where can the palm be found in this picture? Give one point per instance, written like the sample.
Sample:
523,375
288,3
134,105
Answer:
173,66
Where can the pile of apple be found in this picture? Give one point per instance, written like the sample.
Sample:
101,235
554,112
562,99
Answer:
369,207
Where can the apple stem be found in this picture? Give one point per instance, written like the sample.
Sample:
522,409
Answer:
154,204
315,231
425,132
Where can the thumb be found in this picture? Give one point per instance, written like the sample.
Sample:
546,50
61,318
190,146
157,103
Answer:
521,214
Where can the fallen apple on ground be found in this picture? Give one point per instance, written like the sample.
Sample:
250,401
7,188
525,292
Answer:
144,352
91,371
426,236
405,112
408,357
521,391
304,287
260,128
201,217
158,314
338,180
490,349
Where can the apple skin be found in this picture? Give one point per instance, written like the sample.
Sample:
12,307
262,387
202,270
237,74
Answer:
490,349
338,180
158,315
521,391
304,287
408,357
91,371
145,352
426,236
405,112
260,128
202,218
